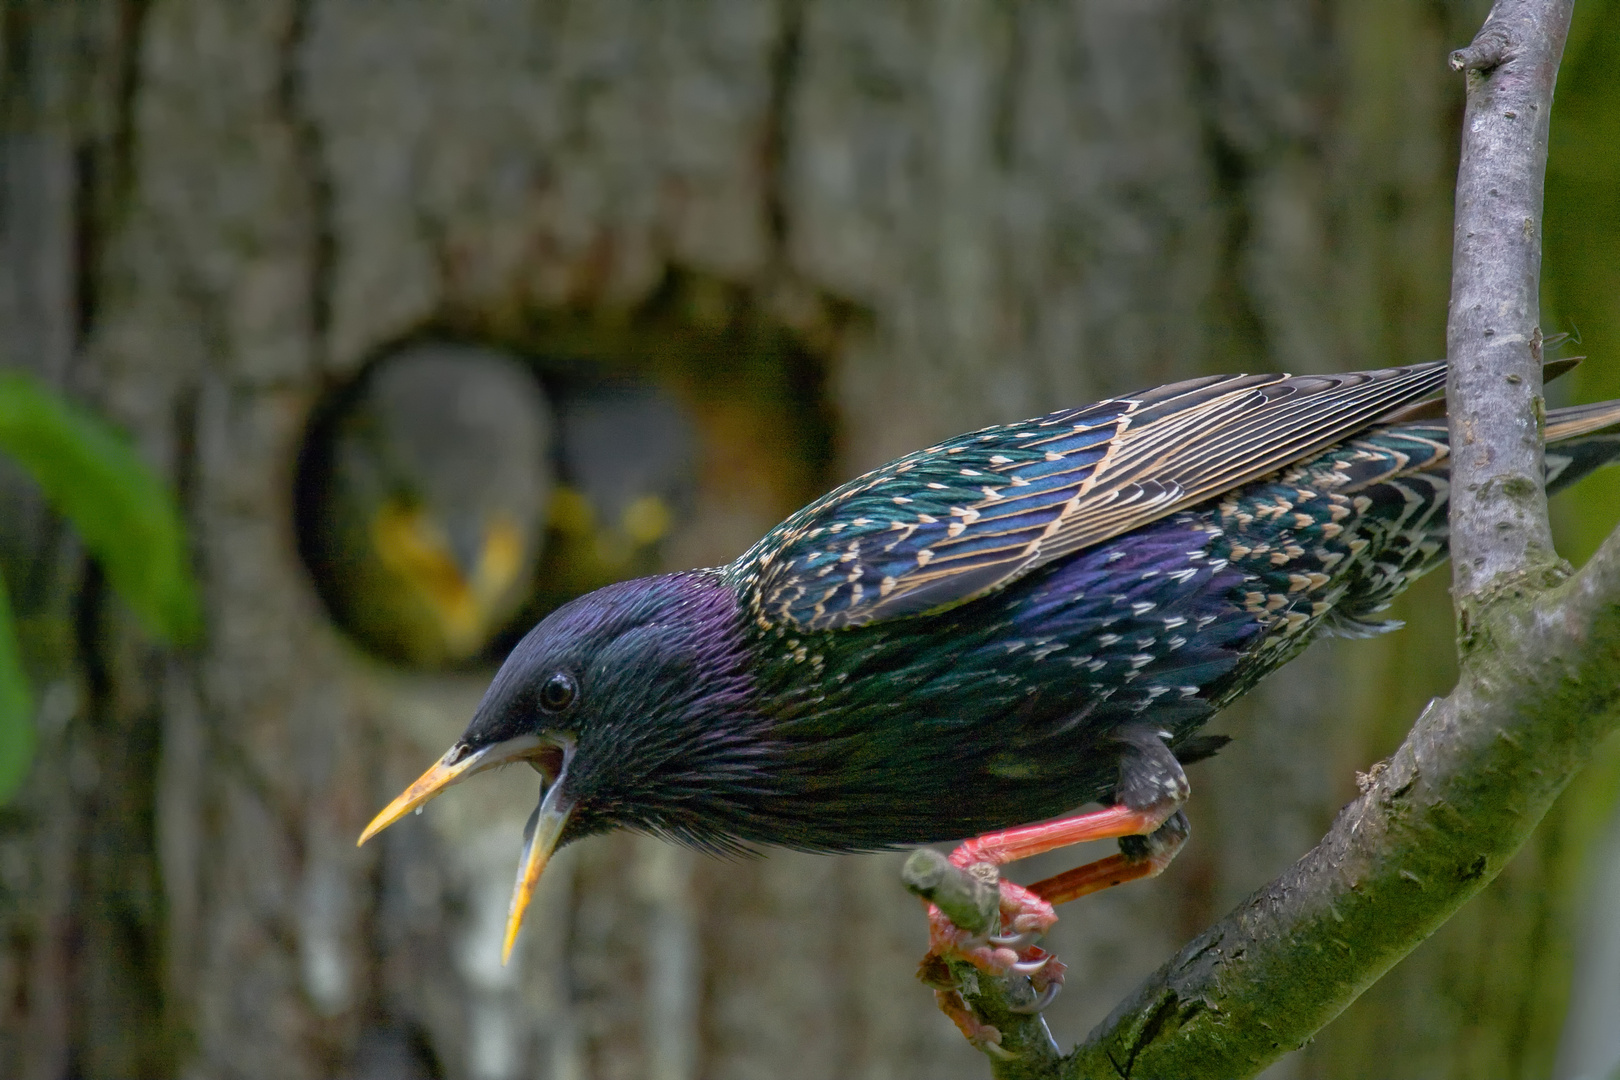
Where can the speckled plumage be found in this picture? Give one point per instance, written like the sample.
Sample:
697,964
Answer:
952,643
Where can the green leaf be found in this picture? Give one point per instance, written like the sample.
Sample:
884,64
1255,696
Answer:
122,511
16,707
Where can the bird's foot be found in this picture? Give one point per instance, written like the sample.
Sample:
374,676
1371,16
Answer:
1045,985
1025,918
983,1036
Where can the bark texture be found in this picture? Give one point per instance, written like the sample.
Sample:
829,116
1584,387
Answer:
1493,332
835,228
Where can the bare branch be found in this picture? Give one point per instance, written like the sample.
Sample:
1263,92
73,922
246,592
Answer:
1493,340
1488,49
966,900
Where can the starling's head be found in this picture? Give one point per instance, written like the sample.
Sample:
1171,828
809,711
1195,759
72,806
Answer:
630,702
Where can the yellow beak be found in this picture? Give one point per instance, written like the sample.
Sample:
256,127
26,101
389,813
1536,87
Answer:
540,840
545,826
450,770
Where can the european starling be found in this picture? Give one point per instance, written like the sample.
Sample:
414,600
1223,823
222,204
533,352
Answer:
989,632
424,504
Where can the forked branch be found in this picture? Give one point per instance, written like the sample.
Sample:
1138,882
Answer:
1540,649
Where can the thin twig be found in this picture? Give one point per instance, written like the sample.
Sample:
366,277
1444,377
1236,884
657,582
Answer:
968,901
1489,48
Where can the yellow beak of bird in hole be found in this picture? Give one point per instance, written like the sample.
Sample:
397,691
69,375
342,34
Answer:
422,512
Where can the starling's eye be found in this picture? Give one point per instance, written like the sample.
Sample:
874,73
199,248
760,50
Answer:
558,692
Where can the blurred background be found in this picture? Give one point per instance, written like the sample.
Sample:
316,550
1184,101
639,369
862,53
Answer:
436,314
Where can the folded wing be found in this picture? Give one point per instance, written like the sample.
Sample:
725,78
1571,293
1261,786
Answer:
950,523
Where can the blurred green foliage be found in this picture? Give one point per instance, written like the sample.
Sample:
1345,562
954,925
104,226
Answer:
1581,257
16,707
121,510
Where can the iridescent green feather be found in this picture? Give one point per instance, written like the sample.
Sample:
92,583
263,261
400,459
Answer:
956,521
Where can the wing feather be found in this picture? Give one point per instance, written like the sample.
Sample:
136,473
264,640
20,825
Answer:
950,523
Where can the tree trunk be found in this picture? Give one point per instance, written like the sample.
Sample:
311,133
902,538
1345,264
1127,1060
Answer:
815,220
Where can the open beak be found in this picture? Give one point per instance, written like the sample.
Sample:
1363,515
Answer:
539,841
545,825
452,769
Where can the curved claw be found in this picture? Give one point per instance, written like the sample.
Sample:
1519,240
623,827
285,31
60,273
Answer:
1040,1003
1015,942
995,1049
1030,967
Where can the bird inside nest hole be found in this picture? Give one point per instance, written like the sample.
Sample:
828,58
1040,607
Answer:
453,492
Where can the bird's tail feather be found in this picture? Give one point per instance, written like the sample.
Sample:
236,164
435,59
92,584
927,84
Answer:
1577,420
1580,439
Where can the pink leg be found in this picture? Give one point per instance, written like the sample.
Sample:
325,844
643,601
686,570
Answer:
1150,775
1010,845
1027,912
1108,872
